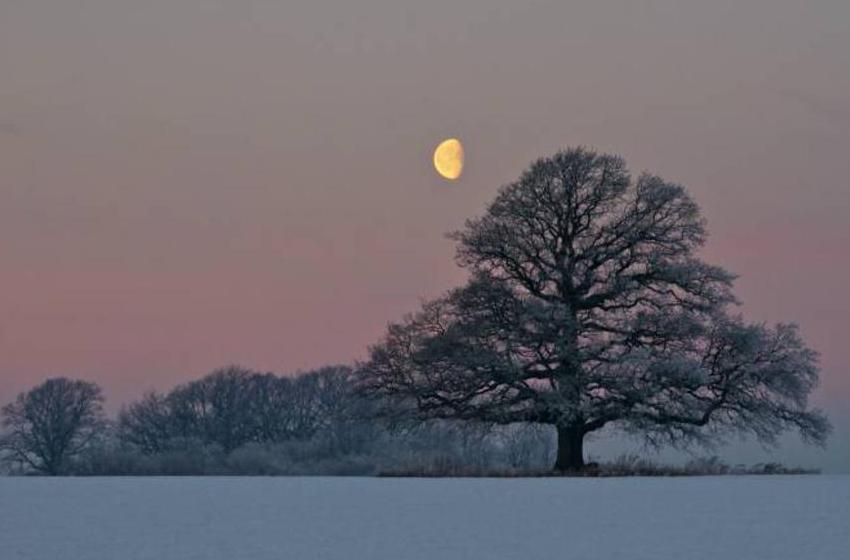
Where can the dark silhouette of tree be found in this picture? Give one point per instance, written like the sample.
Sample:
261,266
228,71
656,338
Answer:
46,427
588,307
233,406
273,407
148,424
341,416
216,408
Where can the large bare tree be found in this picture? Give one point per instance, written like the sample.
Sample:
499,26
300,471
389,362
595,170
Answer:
46,427
587,306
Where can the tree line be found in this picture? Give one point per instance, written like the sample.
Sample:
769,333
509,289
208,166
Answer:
587,307
238,421
234,406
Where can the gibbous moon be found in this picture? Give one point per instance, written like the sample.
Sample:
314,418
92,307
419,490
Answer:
448,159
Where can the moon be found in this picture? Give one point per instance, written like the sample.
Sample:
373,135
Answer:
448,159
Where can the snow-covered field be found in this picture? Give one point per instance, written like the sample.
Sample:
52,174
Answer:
742,518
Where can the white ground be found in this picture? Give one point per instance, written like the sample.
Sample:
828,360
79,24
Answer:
741,518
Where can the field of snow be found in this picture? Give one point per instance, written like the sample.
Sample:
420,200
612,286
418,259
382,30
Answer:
750,518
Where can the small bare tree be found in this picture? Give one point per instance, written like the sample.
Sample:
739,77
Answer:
216,408
148,424
46,427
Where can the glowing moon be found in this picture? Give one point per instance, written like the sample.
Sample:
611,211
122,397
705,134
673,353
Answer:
448,159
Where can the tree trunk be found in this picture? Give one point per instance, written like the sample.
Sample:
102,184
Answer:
570,449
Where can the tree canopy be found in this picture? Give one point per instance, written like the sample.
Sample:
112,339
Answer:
48,426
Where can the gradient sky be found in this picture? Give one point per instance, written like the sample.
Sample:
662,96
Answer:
186,184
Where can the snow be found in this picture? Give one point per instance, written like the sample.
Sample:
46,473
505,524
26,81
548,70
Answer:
751,518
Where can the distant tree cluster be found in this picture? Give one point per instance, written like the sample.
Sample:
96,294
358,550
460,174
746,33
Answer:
233,406
587,308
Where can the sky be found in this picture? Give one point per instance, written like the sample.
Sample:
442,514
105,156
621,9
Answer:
186,184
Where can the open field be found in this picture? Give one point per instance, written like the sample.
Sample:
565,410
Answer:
753,517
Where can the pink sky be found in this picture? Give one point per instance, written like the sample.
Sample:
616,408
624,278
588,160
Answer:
187,183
